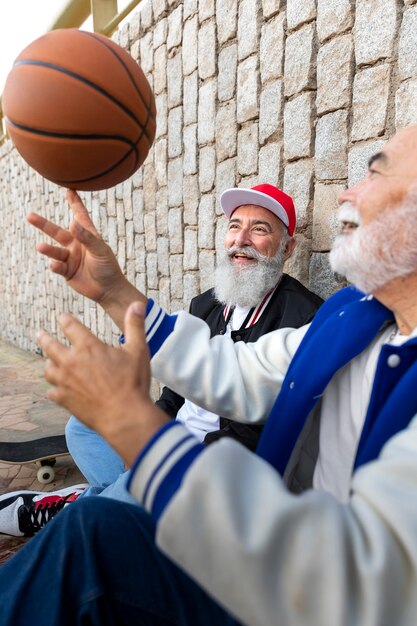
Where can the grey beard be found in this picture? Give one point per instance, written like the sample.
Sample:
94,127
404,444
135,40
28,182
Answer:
246,286
374,255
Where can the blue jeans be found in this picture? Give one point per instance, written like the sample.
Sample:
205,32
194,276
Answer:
102,467
96,563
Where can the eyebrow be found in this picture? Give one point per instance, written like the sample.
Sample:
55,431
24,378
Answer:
253,223
378,156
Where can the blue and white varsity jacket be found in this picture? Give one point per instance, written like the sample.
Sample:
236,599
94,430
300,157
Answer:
191,490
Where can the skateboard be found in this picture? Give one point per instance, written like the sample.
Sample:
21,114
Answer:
43,452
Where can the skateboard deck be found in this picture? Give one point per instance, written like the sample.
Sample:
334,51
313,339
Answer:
43,451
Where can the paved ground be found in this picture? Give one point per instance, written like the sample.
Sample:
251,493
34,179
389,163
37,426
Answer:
26,413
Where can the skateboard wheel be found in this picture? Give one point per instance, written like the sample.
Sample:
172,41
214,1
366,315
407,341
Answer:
46,474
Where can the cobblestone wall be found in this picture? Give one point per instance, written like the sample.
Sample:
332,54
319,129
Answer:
297,93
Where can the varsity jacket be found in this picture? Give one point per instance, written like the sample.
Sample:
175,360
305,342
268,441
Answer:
283,559
290,305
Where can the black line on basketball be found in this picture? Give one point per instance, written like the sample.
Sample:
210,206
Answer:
48,133
104,43
86,81
107,171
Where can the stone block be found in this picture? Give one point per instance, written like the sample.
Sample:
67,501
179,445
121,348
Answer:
272,48
150,231
226,131
334,74
247,90
175,132
162,211
225,179
205,10
375,30
323,281
270,163
226,20
206,217
146,53
207,168
175,270
137,210
191,286
162,245
175,231
190,249
298,263
134,27
190,149
298,133
160,33
190,98
190,8
160,73
174,182
149,187
207,112
325,224
226,78
299,61
331,146
206,263
358,160
146,15
151,262
164,297
161,162
271,7
407,49
191,198
207,50
371,89
174,76
298,181
174,28
190,58
270,111
159,8
408,2
161,115
247,29
299,12
247,149
405,104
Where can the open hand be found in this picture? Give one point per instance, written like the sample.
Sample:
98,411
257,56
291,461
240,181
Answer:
106,388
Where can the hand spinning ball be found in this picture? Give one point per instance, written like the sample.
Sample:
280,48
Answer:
79,110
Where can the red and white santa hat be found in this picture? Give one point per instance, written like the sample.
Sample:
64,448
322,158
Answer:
266,196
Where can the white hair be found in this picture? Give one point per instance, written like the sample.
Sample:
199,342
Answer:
385,249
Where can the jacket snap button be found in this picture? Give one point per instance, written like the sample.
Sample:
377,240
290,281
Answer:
393,360
238,337
292,385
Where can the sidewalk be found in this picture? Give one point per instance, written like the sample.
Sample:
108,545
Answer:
26,413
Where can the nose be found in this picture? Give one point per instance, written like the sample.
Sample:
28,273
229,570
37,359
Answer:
243,237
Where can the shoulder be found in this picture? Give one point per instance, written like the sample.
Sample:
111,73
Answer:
294,288
204,303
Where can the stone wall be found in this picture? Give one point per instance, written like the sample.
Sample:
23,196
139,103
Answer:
297,93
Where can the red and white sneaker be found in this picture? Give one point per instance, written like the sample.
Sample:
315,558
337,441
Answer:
23,513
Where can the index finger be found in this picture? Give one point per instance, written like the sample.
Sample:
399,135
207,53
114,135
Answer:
75,331
54,231
80,212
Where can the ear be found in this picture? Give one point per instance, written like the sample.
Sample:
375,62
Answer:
289,248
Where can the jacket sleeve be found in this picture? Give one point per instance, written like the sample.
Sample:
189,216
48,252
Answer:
270,557
235,380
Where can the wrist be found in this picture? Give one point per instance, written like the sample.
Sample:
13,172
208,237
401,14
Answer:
117,299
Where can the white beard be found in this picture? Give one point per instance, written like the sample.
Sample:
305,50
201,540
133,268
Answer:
246,285
372,256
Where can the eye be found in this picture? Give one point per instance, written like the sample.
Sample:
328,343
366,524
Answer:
260,229
233,226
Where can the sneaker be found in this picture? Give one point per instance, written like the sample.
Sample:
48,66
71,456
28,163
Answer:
23,513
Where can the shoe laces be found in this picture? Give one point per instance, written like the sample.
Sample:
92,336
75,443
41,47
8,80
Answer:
35,516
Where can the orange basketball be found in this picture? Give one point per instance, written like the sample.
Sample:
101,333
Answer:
79,110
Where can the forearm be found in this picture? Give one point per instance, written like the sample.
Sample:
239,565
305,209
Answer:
274,558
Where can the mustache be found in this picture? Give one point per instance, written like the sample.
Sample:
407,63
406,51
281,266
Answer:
348,213
249,252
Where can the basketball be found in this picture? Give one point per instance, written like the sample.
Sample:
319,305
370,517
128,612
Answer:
79,110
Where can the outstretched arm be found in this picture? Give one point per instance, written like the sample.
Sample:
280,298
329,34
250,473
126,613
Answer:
86,262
